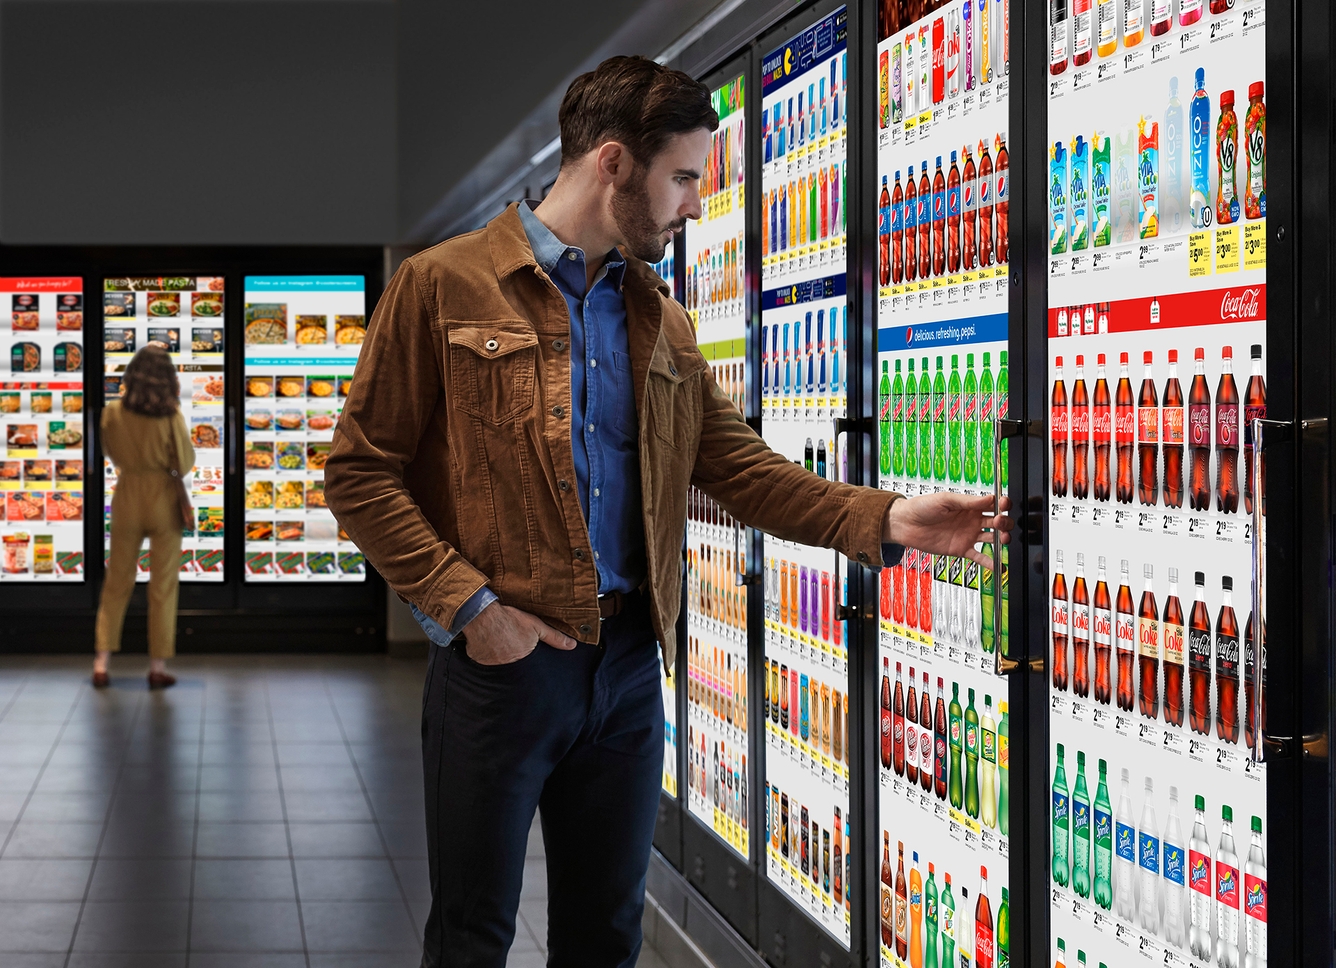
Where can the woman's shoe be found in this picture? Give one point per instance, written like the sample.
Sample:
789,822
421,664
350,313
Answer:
160,680
101,680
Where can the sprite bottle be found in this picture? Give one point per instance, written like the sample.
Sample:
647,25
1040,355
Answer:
953,418
948,924
884,420
898,423
986,426
911,423
1081,830
925,423
957,748
1103,836
939,423
972,759
971,422
930,918
1061,825
1003,385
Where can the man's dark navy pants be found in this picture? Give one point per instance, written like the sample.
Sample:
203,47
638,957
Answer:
576,735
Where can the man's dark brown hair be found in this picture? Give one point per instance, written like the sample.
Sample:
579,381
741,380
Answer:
150,385
634,101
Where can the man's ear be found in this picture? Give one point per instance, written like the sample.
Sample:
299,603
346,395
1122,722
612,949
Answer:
613,163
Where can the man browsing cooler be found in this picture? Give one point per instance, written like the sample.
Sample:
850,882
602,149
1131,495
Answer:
514,458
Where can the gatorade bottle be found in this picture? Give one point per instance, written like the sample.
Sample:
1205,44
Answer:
1061,824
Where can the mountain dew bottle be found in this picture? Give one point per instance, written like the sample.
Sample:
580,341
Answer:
939,423
1103,835
911,423
971,422
898,423
885,418
986,426
1003,385
925,423
953,418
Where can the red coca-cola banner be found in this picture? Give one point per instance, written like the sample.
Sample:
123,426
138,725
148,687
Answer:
1233,305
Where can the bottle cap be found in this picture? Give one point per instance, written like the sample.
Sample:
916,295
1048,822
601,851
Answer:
971,697
969,359
1122,358
939,362
1103,766
1059,363
1004,895
1199,577
1127,775
1103,563
1080,759
1173,793
1173,576
1148,357
1059,556
983,872
987,360
1061,752
1201,78
1080,360
1080,559
916,857
1227,583
1199,802
1148,571
939,161
1002,708
1100,359
1256,351
897,176
1226,99
953,157
1227,352
955,360
987,699
1062,945
1122,564
1199,353
897,668
1150,785
1227,813
939,682
1255,90
931,869
1256,825
1173,356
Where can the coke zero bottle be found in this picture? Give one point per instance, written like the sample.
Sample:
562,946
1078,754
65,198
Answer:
1080,613
985,206
1101,428
1249,665
1124,431
898,724
886,721
1103,630
1172,636
1148,649
1254,406
1199,660
1227,667
911,732
1080,424
1199,434
1061,624
1058,420
1148,435
1124,632
1227,436
1171,435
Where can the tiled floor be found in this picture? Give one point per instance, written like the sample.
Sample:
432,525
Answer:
266,811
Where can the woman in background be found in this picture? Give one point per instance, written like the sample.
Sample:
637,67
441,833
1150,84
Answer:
145,436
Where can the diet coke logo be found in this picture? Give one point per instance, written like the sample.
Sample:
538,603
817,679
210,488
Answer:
1244,305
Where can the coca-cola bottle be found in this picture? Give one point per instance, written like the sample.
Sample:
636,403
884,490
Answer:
925,223
1148,435
1199,660
1172,635
1124,633
1003,199
886,720
1199,434
911,227
1148,649
1101,430
1061,626
1171,435
1080,424
1102,619
1254,407
1227,667
1249,666
1080,613
1058,421
985,206
1227,436
911,732
898,724
969,195
1124,431
925,737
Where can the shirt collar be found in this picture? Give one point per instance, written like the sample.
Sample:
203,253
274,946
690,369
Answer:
548,250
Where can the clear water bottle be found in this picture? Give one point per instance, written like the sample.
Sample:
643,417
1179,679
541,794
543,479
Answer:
1148,859
1227,893
1175,875
1124,851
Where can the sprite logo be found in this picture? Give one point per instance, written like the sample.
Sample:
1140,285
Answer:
1227,887
1199,874
1125,846
1103,826
1256,898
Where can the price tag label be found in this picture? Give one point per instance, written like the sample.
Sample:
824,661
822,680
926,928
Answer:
1254,18
1083,80
988,840
1149,734
1199,255
1101,717
1124,935
1106,70
1198,527
1228,759
1122,725
1172,959
1224,28
1081,514
1134,60
1079,910
1080,711
940,811
1190,39
1080,264
1161,51
1003,847
1058,268
1227,249
1254,242
1151,949
1226,529
971,839
1174,741
1171,525
1146,522
1100,516
1122,518
957,830
1057,703
1198,749
956,654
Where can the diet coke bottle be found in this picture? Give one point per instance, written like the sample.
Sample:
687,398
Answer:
1080,616
1148,435
1124,431
1171,436
1061,626
1103,629
1124,630
1148,647
1172,635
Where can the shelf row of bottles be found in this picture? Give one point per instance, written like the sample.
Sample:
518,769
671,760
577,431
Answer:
794,127
716,282
722,182
812,859
717,783
811,716
804,369
804,221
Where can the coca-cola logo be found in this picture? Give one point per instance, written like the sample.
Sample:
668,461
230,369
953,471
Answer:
1103,625
1243,305
1060,617
1149,634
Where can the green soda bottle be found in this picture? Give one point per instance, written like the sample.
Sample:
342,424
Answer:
972,759
1003,384
925,423
957,748
911,423
971,422
1081,830
1061,825
986,592
897,422
1003,770
884,420
1103,836
930,919
986,426
1004,589
953,418
939,423
1004,932
948,926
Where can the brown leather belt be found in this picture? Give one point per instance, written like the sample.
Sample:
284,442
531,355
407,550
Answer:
614,603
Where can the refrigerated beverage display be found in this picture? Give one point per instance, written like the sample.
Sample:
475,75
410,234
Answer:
910,754
986,202
1226,156
1175,873
898,724
926,203
939,449
957,743
971,759
987,432
1057,43
1254,408
948,909
1199,120
1227,893
969,193
983,924
1061,625
1148,434
1082,33
1102,620
1199,660
1148,859
1101,431
1148,648
886,715
1201,883
1004,771
1124,431
1254,134
955,432
1080,615
1102,835
1078,194
1101,180
885,418
1062,868
1172,635
1199,435
911,215
925,738
1079,423
1227,436
938,220
930,919
1124,848
971,422
901,907
988,768
1080,824
941,752
953,217
1249,673
1254,899
1058,422
911,428
1171,436
887,892
884,232
1058,226
915,914
1227,667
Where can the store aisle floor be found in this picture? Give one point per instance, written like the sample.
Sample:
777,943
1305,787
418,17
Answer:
266,811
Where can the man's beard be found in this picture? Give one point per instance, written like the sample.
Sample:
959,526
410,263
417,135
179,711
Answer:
642,236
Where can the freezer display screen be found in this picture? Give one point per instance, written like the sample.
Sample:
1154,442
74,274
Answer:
716,544
1156,365
42,405
943,381
804,318
183,315
302,335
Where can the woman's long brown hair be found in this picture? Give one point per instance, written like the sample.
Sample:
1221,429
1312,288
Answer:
150,386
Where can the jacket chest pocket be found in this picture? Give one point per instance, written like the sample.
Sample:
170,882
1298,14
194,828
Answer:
674,405
492,370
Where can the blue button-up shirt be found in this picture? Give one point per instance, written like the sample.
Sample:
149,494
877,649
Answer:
604,426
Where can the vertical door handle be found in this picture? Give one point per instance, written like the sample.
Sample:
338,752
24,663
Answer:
1261,431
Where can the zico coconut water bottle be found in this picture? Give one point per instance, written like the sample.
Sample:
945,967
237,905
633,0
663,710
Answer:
1148,177
1199,148
1061,824
1171,175
1175,868
1199,879
1148,858
1057,199
1101,186
1125,201
1079,194
1103,836
1124,849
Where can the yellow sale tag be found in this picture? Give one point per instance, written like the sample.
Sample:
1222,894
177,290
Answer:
1199,254
1254,245
911,123
1227,249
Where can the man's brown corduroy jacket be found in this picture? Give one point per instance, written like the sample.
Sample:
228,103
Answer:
452,464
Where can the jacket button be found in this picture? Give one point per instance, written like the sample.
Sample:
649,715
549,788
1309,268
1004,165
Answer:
672,370
558,411
492,344
559,344
563,485
585,629
579,554
862,556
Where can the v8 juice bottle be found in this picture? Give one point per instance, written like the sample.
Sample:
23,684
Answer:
1254,133
1057,199
1226,155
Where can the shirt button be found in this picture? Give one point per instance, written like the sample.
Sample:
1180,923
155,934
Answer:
571,256
593,363
597,492
591,428
596,556
492,344
862,556
672,370
559,344
558,411
563,485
